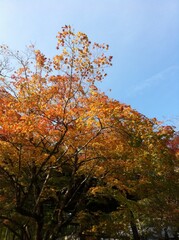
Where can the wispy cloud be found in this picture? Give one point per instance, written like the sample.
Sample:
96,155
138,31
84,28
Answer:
167,75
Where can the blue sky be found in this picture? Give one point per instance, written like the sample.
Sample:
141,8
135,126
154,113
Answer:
143,36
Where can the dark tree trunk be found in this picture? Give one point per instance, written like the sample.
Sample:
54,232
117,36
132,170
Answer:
135,231
134,228
40,222
39,232
166,234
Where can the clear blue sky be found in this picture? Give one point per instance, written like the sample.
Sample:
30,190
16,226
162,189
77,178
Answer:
143,36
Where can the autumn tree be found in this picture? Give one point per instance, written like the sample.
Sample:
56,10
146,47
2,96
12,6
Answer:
140,172
68,153
48,129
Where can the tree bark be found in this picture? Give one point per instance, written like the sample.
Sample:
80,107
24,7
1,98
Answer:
39,233
134,228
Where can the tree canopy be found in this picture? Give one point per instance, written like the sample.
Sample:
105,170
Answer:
72,160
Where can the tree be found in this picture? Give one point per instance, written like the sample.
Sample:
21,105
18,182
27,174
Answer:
143,178
67,151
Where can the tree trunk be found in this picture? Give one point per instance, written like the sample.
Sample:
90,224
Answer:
166,234
134,228
135,231
39,233
40,224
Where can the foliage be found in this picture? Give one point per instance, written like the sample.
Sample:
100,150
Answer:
72,160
